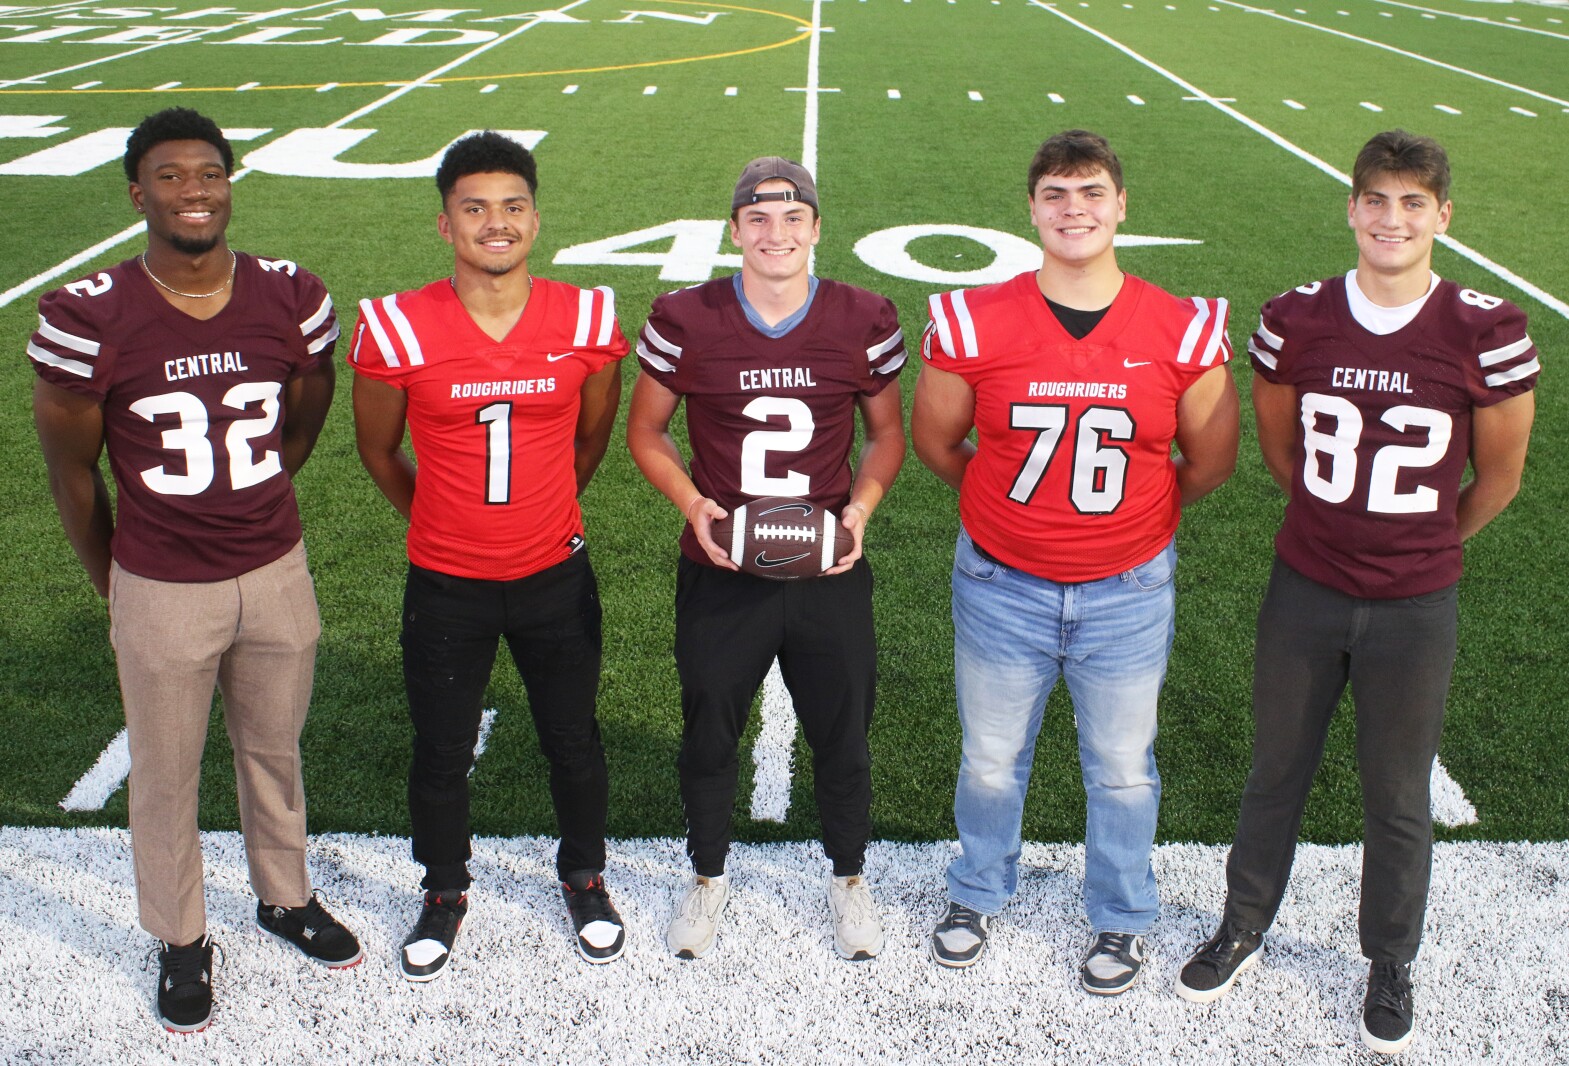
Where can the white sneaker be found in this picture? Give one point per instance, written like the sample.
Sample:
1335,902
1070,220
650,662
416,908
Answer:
858,928
691,932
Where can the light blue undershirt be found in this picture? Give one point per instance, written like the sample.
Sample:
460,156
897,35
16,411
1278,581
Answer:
787,323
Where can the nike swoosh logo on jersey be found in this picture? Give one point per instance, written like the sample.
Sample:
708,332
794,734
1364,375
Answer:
763,559
556,357
1130,366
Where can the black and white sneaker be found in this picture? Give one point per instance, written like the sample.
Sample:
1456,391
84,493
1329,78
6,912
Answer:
1214,967
600,935
428,947
185,985
960,936
1112,963
311,929
1388,1011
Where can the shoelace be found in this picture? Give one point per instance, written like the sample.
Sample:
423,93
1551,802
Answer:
1224,944
186,966
1390,988
591,903
1118,945
698,905
437,919
858,902
963,918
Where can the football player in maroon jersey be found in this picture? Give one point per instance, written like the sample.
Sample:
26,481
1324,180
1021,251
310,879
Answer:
1077,379
507,385
207,374
774,364
1372,391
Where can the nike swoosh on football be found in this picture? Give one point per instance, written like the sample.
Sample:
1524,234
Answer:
764,560
551,357
1130,366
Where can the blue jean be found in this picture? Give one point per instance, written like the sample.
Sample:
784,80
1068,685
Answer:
1014,634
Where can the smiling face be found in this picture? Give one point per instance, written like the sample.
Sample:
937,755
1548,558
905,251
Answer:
183,189
776,236
1077,215
1396,220
491,222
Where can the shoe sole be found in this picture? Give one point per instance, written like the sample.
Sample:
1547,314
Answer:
956,964
692,954
359,956
1385,1047
1210,995
1084,983
421,978
185,1030
859,954
597,960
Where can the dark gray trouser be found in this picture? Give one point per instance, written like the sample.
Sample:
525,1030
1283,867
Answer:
1397,656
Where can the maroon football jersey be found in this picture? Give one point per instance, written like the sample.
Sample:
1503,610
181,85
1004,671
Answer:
771,416
193,410
1385,429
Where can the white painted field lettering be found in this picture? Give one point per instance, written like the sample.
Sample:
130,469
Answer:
313,153
91,150
702,18
693,254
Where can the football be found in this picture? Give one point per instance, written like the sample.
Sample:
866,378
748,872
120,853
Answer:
782,538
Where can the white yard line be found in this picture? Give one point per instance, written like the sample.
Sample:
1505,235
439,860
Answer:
1464,250
487,721
1448,800
94,788
1397,51
197,32
73,989
1474,18
129,232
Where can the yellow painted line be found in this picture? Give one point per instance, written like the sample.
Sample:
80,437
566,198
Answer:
794,38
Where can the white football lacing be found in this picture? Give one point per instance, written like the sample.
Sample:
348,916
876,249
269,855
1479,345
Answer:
764,531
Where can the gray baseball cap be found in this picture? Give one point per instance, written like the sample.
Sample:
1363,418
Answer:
768,168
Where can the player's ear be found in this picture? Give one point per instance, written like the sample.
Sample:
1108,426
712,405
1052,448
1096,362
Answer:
817,227
1445,214
1351,211
444,227
135,192
1122,205
735,232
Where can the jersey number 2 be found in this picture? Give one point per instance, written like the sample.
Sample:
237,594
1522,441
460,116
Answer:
189,435
1340,448
756,445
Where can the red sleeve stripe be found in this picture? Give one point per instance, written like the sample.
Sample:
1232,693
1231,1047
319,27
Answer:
607,316
596,317
948,309
405,330
1190,339
378,333
1218,342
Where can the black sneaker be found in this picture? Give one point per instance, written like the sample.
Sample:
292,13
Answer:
1387,1012
600,935
311,929
960,936
1212,970
185,986
428,947
1112,963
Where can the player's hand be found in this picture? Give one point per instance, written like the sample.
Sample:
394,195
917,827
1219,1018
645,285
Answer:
853,518
702,512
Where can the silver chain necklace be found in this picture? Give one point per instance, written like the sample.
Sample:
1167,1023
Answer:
233,262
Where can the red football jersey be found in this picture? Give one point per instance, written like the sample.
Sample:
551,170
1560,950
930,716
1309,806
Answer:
492,422
1072,479
193,409
1385,429
770,416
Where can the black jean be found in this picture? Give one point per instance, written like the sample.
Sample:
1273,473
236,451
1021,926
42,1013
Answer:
1397,656
729,628
451,628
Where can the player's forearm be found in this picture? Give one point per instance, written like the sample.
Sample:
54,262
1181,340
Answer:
393,473
1197,479
657,456
1483,500
83,503
307,401
878,466
947,460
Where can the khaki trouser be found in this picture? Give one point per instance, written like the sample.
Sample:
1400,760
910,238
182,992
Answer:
255,635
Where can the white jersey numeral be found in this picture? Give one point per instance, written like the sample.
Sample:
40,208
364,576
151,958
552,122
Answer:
756,445
1340,449
497,420
189,437
1100,468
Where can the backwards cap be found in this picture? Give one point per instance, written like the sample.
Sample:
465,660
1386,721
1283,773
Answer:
769,168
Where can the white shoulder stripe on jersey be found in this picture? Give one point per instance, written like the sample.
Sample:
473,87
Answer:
891,365
1508,351
1217,339
377,331
324,340
607,315
1268,336
886,346
647,354
966,325
70,366
1514,373
940,320
317,318
651,335
1263,355
405,331
1190,339
67,340
585,317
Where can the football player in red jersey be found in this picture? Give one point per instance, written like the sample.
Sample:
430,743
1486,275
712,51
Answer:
207,374
507,385
1372,391
1077,379
774,364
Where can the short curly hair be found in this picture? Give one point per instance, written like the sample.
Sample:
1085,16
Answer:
485,153
174,124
